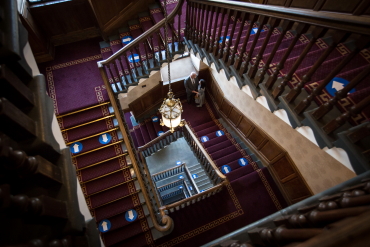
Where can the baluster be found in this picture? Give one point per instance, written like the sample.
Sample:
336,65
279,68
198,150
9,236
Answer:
188,17
129,67
117,72
123,69
220,50
133,62
179,45
193,21
360,44
358,134
260,23
198,23
212,37
339,121
239,60
140,58
147,57
172,39
204,26
231,58
208,35
108,67
227,49
273,24
216,41
339,36
317,33
301,28
160,55
202,21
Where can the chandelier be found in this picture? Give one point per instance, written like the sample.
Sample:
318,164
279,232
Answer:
171,108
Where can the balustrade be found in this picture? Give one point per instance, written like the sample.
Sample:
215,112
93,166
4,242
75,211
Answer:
288,49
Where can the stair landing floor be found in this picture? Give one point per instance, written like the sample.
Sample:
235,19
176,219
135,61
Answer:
170,155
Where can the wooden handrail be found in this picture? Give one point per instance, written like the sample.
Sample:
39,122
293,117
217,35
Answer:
350,23
143,36
166,220
169,169
156,140
222,176
151,184
165,208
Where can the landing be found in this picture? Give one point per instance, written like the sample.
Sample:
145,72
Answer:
168,156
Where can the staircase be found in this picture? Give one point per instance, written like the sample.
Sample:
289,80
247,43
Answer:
274,58
130,67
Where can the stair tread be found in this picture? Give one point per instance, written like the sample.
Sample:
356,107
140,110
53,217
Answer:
108,181
112,194
102,169
97,156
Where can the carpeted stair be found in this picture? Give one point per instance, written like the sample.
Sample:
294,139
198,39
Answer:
109,184
358,63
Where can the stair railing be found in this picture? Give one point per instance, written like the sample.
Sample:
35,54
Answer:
281,68
121,57
205,160
170,185
166,221
193,199
160,142
168,173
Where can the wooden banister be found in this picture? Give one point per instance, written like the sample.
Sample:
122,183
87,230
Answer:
166,220
204,152
143,36
332,20
197,197
339,121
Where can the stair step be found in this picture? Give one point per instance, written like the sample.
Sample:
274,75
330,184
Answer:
118,221
103,169
115,236
223,152
204,126
214,141
228,158
107,182
90,130
235,174
139,137
84,116
118,207
98,156
208,131
219,146
116,193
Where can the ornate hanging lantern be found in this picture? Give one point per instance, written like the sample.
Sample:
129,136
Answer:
171,108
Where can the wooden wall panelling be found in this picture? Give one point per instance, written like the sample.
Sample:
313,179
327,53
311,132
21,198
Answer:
257,138
304,4
245,126
271,151
288,178
272,155
111,14
235,116
362,8
66,22
38,40
275,2
225,107
343,6
151,100
366,11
